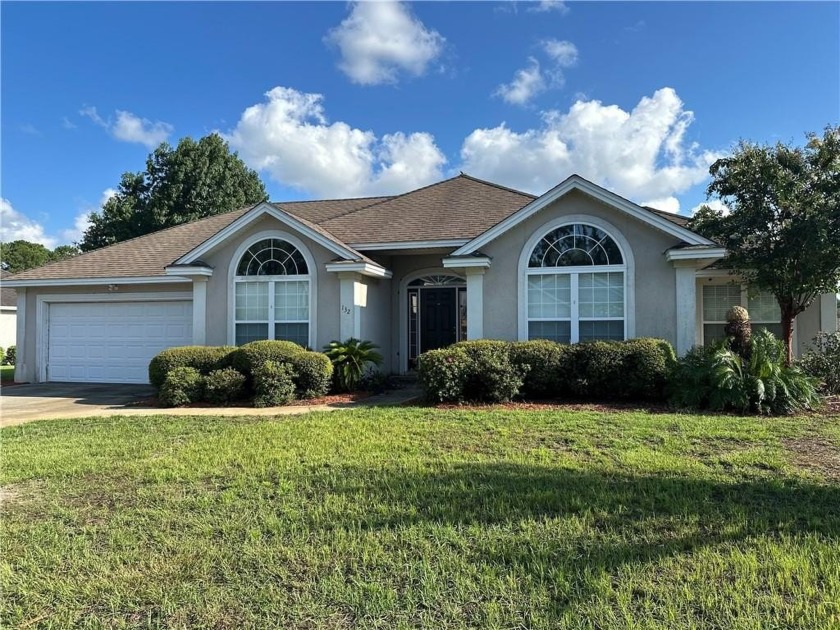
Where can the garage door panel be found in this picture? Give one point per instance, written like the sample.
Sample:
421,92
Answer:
113,342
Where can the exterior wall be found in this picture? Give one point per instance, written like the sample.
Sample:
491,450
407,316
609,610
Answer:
219,310
27,367
8,327
376,324
655,278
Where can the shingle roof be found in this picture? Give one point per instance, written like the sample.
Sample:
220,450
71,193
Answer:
673,218
458,208
323,210
8,296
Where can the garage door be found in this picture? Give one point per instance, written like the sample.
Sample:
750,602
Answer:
113,342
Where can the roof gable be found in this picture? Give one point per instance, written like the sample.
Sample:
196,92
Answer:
576,182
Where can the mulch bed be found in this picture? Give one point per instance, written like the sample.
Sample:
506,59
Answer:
333,399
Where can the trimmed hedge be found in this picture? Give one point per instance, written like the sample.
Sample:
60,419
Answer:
248,358
205,359
224,386
497,371
274,384
313,373
182,386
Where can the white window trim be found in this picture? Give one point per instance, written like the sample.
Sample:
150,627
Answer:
42,315
312,277
628,268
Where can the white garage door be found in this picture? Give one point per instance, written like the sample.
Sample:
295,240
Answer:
113,342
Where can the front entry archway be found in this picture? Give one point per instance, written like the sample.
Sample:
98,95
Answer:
437,313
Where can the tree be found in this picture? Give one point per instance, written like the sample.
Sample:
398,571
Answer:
192,181
63,252
782,233
18,256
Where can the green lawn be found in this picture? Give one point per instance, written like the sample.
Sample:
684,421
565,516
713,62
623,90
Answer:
7,373
423,518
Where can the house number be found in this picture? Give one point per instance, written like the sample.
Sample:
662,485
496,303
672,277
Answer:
345,309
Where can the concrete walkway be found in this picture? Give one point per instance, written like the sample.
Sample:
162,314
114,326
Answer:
46,401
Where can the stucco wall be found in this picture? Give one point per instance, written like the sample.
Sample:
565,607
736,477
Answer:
219,285
654,277
375,318
8,328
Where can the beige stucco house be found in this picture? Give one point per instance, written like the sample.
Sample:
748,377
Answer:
462,258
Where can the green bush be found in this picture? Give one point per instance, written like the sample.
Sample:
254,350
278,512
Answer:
253,355
491,376
349,359
822,361
647,365
182,386
274,384
312,373
205,359
224,386
549,375
691,381
10,357
443,373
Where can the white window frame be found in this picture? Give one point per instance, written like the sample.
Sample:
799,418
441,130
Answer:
627,268
234,279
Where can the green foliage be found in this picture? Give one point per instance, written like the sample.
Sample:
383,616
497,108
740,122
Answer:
10,357
312,373
491,376
17,256
192,181
252,355
205,359
822,361
550,370
691,381
182,386
782,233
349,359
739,331
274,384
443,373
224,386
763,384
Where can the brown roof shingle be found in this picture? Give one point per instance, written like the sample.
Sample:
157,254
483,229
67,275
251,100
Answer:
8,296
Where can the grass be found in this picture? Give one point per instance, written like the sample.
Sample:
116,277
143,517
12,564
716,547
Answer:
422,518
7,373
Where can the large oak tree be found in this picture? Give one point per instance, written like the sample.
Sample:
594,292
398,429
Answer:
191,181
782,230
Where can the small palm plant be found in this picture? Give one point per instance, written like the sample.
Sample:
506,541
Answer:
349,359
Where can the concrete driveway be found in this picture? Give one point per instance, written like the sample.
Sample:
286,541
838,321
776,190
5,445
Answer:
23,403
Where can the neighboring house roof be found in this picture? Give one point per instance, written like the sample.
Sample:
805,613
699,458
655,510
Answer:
673,218
8,297
457,208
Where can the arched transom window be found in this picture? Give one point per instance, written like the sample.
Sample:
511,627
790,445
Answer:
271,293
576,286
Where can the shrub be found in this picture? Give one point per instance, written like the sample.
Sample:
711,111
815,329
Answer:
182,385
443,373
646,366
246,359
349,359
738,331
691,381
224,386
822,361
549,374
274,384
491,376
10,357
313,374
205,359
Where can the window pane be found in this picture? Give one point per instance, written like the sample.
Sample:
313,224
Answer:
764,308
271,257
299,333
719,298
250,332
713,333
612,329
291,301
550,296
555,331
575,245
601,294
252,301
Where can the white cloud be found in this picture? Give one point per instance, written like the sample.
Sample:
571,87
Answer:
544,6
526,84
82,221
131,128
563,53
289,137
714,204
378,40
15,226
641,154
668,204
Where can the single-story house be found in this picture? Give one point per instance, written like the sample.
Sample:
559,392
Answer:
459,259
8,313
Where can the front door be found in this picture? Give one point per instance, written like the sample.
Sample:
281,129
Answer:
438,318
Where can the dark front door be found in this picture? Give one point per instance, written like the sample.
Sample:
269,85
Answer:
438,318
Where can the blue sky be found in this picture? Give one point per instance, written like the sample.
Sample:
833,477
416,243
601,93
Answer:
333,99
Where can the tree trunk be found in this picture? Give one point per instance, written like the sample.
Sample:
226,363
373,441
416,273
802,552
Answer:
787,334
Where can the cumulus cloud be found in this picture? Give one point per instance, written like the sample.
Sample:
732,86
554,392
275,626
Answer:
15,226
129,127
82,221
289,137
641,154
532,80
379,40
544,6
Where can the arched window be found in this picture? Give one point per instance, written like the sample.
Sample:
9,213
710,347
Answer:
271,293
576,285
